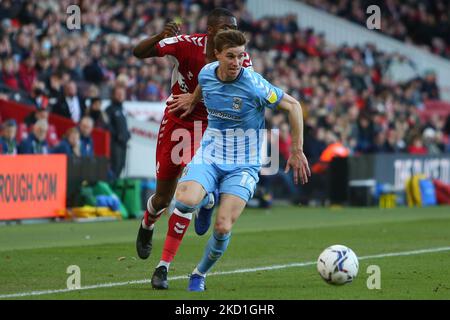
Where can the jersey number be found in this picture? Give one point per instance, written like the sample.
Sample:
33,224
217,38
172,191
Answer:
248,181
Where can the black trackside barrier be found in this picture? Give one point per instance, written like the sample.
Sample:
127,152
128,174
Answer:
84,169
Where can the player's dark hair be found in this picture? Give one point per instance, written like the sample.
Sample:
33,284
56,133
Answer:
216,14
229,39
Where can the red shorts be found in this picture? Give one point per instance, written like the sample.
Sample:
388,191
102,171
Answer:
176,146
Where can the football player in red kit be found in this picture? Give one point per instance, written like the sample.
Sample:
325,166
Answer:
189,53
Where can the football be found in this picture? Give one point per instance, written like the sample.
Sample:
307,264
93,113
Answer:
337,265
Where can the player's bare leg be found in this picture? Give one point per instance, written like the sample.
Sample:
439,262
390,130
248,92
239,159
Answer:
156,205
230,209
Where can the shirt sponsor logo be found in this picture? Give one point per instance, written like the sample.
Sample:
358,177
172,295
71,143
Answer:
223,115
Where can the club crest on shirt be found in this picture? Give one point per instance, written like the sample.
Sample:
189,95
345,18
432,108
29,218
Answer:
237,103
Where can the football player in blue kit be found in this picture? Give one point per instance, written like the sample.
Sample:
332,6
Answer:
229,157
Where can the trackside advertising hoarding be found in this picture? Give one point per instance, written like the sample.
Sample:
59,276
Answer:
396,169
32,186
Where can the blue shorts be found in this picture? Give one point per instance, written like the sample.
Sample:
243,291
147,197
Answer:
239,181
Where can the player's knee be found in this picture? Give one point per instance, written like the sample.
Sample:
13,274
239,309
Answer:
184,198
222,227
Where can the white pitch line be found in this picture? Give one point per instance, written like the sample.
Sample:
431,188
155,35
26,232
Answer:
274,267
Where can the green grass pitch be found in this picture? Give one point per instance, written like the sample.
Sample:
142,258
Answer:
34,258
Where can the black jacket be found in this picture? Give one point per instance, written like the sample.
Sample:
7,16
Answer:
62,107
118,124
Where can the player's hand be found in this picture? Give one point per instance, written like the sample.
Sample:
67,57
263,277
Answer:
181,103
171,29
299,164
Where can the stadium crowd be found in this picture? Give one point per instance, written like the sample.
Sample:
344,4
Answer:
353,95
420,22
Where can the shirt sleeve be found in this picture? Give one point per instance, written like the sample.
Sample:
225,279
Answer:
247,62
168,46
206,71
267,95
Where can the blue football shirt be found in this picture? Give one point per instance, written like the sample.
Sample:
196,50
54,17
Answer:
235,116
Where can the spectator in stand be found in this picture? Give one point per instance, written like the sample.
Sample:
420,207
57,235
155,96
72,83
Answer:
41,103
5,43
430,139
365,132
421,22
21,45
86,143
71,105
70,144
416,146
38,114
119,130
429,86
27,72
391,145
36,142
93,72
9,74
336,83
54,86
97,114
8,143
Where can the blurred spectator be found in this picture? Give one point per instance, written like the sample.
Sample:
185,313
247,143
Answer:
365,132
421,22
70,144
8,143
430,139
71,105
429,86
391,145
9,74
21,45
97,114
36,142
86,143
335,83
27,71
93,72
416,146
119,130
281,179
314,143
54,89
36,115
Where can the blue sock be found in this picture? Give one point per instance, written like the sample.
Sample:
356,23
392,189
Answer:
215,248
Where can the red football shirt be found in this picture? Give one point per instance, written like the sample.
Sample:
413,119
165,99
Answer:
188,54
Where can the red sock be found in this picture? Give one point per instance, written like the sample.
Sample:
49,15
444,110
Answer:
178,224
149,219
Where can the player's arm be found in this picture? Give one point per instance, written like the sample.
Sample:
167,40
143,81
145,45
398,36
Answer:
297,159
147,47
185,102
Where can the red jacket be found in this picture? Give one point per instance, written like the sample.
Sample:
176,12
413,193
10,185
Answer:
10,79
27,77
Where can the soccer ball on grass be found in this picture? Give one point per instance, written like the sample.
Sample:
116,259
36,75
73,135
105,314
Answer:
338,265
